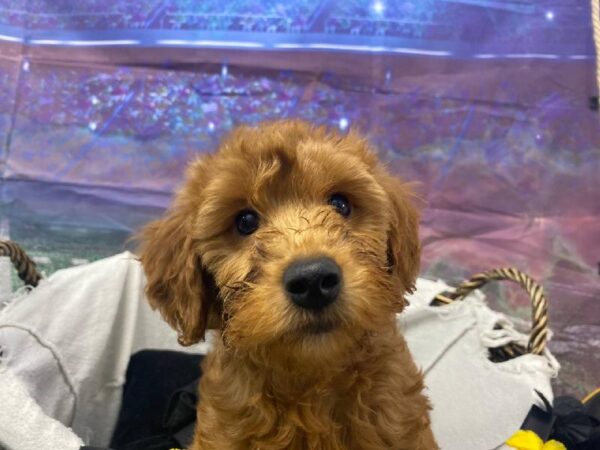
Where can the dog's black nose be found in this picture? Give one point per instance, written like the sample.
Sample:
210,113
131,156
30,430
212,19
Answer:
313,283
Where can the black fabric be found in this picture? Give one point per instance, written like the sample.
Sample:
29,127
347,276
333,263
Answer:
159,401
540,420
180,416
592,405
567,421
575,426
85,447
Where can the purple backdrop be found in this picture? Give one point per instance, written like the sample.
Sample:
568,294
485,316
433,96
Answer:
485,104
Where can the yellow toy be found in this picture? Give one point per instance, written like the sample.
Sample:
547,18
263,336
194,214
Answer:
528,440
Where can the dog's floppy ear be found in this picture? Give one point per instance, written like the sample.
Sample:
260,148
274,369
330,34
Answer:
176,284
404,249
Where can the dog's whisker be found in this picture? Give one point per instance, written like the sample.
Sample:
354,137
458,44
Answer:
260,251
305,219
272,230
319,214
295,230
328,213
233,286
252,276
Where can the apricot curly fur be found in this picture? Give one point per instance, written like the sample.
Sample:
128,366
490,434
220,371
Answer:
272,381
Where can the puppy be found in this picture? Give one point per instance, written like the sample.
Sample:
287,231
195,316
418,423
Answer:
298,246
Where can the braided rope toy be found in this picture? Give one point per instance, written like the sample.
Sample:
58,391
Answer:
539,317
596,31
24,265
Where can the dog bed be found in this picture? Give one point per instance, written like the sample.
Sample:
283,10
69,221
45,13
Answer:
68,343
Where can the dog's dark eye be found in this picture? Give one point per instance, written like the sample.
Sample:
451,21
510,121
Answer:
247,222
341,204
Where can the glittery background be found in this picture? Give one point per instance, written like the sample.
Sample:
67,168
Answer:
484,104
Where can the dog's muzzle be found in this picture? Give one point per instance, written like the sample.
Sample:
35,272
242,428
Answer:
313,284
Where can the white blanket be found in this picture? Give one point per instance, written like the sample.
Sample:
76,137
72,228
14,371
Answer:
23,424
69,341
477,404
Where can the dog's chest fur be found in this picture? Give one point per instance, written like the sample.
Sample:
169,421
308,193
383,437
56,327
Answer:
374,403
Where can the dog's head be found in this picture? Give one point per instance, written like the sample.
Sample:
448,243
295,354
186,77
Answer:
288,236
